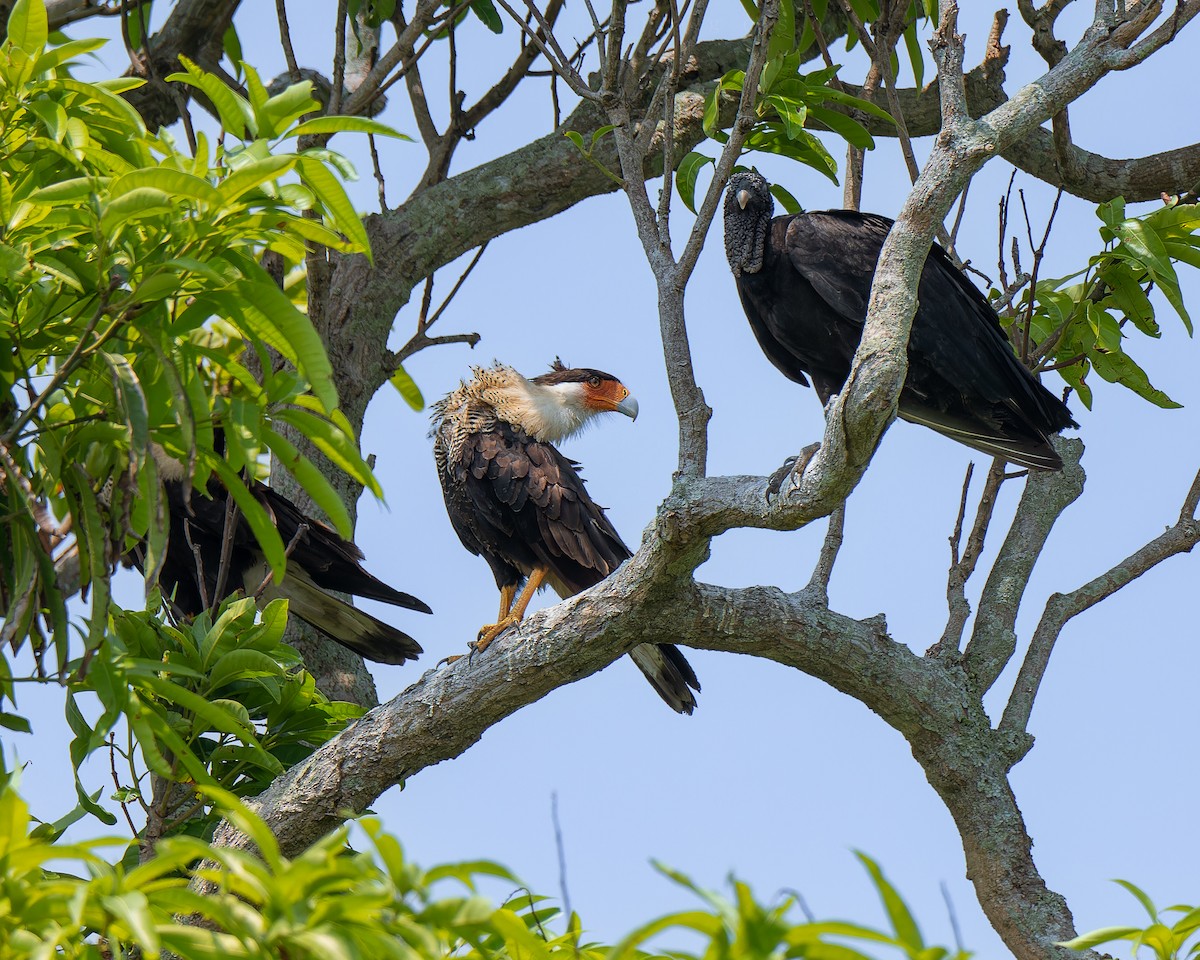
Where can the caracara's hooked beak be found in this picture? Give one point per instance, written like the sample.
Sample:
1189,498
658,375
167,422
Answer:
743,198
609,396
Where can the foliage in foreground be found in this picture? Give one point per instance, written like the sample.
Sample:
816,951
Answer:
1166,940
335,903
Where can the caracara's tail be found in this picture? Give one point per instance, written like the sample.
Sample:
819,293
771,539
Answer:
352,628
669,673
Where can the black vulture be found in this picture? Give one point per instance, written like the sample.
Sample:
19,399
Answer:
520,504
320,561
805,280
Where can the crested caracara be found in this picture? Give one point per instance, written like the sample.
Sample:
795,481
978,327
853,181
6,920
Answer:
520,504
320,561
805,280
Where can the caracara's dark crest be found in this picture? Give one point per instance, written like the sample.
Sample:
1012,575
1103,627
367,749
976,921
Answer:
320,562
805,281
561,373
515,500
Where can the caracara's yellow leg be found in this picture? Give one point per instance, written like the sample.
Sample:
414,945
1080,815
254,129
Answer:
510,613
506,599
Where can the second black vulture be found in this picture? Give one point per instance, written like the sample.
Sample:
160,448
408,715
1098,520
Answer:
321,561
805,281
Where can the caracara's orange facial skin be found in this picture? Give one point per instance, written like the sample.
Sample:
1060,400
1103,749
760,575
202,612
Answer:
601,394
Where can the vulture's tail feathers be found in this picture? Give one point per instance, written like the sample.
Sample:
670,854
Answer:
1034,453
354,629
375,589
669,673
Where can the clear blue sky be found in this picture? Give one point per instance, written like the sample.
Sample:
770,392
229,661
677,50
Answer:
777,777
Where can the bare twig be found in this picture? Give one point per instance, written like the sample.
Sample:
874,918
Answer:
562,855
230,527
285,38
201,582
339,57
112,763
962,568
1039,253
1062,607
301,532
818,584
378,171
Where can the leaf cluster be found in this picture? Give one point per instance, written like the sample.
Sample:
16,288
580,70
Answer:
743,928
137,315
333,902
220,703
787,101
1166,940
1085,322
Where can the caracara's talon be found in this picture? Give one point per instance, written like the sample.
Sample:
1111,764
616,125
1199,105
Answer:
793,467
487,634
448,660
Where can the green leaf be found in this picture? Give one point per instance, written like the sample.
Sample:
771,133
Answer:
916,56
176,183
28,27
337,444
233,110
133,910
848,128
316,177
1119,368
241,664
408,388
135,205
273,318
13,721
791,113
263,529
343,124
132,402
828,94
315,483
137,16
287,107
486,12
783,36
1096,937
252,175
786,200
1142,897
232,44
53,117
898,913
686,175
59,55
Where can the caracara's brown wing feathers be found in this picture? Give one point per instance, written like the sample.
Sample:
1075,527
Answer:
527,507
521,504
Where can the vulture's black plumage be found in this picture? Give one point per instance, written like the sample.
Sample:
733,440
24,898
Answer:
515,500
804,282
320,561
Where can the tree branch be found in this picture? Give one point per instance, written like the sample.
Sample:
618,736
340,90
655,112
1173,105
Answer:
1043,501
1061,608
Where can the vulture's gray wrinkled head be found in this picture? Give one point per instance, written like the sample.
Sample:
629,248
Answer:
748,211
